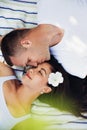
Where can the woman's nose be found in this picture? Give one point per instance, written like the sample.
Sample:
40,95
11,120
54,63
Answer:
30,70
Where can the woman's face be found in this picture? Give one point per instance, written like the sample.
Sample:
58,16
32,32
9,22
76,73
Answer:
37,77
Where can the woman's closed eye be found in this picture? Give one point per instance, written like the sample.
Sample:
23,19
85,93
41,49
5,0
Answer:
42,72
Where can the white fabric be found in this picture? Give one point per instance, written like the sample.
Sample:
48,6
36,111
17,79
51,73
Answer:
45,112
56,119
71,52
7,121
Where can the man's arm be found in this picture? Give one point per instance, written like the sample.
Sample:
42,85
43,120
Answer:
51,34
57,36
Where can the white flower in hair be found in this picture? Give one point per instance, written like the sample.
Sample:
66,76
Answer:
55,79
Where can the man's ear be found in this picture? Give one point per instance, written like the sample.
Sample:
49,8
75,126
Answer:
26,43
47,90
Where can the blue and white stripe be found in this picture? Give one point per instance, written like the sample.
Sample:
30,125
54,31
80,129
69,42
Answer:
17,14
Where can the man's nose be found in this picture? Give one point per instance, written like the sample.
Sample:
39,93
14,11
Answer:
33,64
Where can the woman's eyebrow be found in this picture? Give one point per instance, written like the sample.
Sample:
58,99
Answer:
44,70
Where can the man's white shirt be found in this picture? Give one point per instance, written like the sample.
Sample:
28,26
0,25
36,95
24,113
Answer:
71,52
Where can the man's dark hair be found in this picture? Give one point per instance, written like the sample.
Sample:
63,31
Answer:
10,44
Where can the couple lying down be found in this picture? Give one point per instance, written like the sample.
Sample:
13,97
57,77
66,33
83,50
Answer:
48,82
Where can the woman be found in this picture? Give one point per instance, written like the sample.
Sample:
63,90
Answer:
16,97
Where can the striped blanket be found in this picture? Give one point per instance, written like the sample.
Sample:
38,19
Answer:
17,14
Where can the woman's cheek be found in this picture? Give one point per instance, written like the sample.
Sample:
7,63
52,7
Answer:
38,81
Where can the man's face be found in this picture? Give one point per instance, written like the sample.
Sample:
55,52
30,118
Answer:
37,52
31,56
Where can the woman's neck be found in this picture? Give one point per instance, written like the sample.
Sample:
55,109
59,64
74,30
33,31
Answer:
19,98
26,96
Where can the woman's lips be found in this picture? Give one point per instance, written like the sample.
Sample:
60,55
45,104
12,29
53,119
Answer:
28,75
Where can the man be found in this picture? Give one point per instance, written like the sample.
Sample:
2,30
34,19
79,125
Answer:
24,47
50,32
